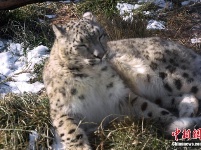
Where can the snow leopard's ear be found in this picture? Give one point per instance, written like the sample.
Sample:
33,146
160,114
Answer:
59,30
89,15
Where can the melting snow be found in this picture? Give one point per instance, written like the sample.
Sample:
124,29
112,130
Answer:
50,16
16,68
196,40
153,24
33,136
126,11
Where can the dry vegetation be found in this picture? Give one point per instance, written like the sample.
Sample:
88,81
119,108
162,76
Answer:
183,24
22,114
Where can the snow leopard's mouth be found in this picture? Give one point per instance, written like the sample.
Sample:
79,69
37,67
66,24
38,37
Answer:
99,56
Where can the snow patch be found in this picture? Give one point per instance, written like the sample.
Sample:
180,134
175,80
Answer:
50,16
153,24
16,68
7,63
24,77
33,136
37,55
16,48
196,40
21,87
126,12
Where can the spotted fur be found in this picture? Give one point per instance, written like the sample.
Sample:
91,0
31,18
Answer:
165,72
84,89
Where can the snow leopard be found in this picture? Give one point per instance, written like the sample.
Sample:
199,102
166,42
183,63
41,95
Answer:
85,88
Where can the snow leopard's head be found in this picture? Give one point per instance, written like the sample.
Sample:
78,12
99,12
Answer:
83,37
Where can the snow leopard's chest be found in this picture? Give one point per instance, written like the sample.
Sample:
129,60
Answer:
98,94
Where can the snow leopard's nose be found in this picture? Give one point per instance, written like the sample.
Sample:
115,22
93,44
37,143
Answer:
99,52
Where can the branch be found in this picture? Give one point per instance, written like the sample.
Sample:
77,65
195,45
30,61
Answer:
12,4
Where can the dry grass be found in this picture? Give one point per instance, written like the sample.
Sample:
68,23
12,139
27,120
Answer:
120,29
116,27
20,116
129,134
28,24
183,24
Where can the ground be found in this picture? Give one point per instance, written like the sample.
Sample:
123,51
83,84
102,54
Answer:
25,117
